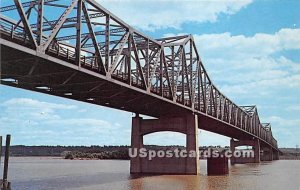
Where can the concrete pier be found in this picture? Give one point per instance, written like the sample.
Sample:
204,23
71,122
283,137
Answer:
267,154
275,155
241,160
186,124
217,166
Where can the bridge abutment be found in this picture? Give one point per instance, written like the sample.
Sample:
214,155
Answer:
245,159
188,164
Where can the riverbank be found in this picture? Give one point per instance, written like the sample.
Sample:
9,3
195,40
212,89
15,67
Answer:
110,152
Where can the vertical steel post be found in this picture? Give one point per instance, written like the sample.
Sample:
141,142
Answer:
129,58
147,62
25,22
0,149
40,22
183,62
161,74
107,41
78,33
6,159
190,74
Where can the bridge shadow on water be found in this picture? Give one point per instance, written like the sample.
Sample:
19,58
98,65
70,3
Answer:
186,182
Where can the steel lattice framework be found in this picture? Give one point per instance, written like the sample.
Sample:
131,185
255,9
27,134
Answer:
91,39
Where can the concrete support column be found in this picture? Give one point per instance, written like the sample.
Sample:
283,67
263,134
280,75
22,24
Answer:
232,149
188,163
271,155
256,148
267,154
192,163
277,154
136,143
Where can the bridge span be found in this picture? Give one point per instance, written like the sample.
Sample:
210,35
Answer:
88,54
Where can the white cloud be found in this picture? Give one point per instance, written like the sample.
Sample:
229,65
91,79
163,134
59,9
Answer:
35,104
205,138
284,122
260,86
240,47
86,122
285,130
241,65
157,14
165,138
31,110
37,122
294,107
28,128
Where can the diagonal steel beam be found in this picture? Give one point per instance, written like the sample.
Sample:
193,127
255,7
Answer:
93,37
58,25
154,69
193,100
68,20
167,74
187,78
138,62
69,78
25,22
180,54
119,52
25,4
26,13
43,23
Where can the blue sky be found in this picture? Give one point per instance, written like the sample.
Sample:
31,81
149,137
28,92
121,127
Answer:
251,50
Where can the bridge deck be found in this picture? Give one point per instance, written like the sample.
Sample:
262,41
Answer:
115,66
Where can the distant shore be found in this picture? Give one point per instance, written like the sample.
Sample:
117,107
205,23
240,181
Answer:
109,152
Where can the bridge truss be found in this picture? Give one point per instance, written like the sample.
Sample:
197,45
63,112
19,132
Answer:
86,35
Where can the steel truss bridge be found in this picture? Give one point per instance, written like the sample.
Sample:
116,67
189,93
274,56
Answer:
79,50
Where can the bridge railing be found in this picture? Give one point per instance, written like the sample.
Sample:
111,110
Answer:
11,29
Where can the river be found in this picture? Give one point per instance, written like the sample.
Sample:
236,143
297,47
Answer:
44,173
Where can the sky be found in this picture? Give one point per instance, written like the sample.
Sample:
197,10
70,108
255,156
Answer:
250,49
